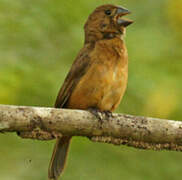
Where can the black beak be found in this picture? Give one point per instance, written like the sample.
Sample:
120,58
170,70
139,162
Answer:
124,22
122,12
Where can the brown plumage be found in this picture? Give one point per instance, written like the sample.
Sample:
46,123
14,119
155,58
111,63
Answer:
98,76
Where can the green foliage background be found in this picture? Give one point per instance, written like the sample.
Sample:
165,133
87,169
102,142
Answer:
38,43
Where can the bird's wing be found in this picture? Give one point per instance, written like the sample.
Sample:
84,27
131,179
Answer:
78,69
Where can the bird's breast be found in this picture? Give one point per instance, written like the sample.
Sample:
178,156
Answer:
104,83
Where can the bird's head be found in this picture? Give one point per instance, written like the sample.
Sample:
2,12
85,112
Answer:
106,21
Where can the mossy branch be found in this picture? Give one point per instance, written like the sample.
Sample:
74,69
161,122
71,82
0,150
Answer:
48,123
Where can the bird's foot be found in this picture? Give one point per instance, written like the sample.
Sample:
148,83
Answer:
96,112
108,114
100,115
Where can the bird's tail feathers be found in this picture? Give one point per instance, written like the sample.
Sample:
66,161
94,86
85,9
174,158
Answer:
59,157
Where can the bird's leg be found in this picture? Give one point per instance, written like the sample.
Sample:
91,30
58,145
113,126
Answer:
96,112
108,114
100,115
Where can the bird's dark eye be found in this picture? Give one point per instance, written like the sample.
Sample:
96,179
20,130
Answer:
108,12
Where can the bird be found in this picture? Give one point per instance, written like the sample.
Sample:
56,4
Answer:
98,76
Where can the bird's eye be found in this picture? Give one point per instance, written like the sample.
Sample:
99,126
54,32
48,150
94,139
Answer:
108,12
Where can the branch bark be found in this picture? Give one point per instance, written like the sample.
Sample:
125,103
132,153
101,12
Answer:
49,123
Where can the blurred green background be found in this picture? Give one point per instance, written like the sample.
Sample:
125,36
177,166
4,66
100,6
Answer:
38,43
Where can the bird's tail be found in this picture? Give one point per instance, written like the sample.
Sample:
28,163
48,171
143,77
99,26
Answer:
59,156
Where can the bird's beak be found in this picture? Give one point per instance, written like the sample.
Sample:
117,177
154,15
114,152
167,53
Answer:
120,12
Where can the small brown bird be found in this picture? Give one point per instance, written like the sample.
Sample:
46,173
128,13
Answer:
98,76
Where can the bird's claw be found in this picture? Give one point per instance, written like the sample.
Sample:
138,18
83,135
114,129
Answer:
96,112
108,114
100,115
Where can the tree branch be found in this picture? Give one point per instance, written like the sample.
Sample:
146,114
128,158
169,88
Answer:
48,123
